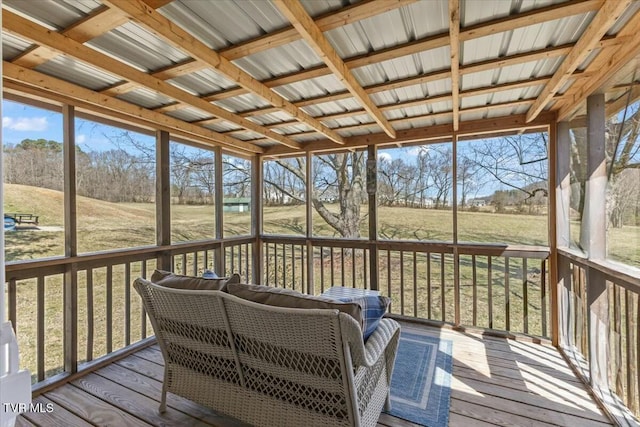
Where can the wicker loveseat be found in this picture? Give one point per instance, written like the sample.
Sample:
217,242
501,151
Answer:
270,366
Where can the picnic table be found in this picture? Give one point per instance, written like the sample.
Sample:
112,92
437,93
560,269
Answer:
23,218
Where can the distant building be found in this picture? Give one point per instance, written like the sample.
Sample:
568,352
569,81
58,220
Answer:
477,202
236,204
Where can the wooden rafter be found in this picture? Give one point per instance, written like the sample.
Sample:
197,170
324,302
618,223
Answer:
608,62
430,133
15,73
345,16
454,45
300,19
32,31
169,31
532,17
604,19
97,23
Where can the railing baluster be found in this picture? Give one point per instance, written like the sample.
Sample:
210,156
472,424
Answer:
616,362
490,291
321,269
40,341
333,282
275,264
353,268
284,265
342,266
293,266
184,264
474,290
13,304
143,312
195,263
428,285
507,295
267,261
247,268
443,308
415,284
543,296
389,277
127,303
525,297
90,316
631,343
366,284
402,282
109,312
239,260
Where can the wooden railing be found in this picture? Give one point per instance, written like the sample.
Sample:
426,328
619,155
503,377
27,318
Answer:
72,314
599,329
494,287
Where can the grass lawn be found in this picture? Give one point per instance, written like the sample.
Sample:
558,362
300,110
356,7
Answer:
105,226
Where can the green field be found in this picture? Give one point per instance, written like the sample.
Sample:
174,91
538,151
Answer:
106,226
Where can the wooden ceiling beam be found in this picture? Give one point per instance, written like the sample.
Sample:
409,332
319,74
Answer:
606,64
335,19
311,33
32,31
532,17
98,22
15,73
178,37
588,41
483,127
454,54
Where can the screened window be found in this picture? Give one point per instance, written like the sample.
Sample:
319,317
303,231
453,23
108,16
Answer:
236,202
284,196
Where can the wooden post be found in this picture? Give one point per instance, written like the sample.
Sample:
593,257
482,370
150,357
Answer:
456,255
593,238
311,285
372,174
70,282
257,183
560,154
219,264
163,197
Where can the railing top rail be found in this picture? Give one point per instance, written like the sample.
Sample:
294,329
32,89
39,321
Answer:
620,274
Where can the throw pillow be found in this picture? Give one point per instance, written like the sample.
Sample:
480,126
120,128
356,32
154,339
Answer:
279,297
373,305
178,281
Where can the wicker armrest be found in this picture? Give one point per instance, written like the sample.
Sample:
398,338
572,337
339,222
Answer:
387,332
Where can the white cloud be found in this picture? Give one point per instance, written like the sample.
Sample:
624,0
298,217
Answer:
384,157
25,124
80,139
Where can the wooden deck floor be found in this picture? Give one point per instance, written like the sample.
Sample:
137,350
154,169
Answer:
495,382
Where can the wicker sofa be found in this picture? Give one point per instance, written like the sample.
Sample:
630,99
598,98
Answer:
270,366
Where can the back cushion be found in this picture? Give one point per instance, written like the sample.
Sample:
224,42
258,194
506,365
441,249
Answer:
177,281
288,298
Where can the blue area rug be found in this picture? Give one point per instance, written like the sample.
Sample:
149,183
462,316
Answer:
421,382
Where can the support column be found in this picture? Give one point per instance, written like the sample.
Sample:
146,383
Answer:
70,284
219,264
593,238
163,198
257,183
372,186
311,285
560,191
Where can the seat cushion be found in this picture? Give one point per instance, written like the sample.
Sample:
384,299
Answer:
178,281
288,298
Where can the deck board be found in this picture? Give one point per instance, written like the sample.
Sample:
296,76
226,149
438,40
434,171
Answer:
495,382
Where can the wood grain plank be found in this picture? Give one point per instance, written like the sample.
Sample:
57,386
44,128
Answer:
152,389
558,403
510,415
58,417
92,409
134,403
